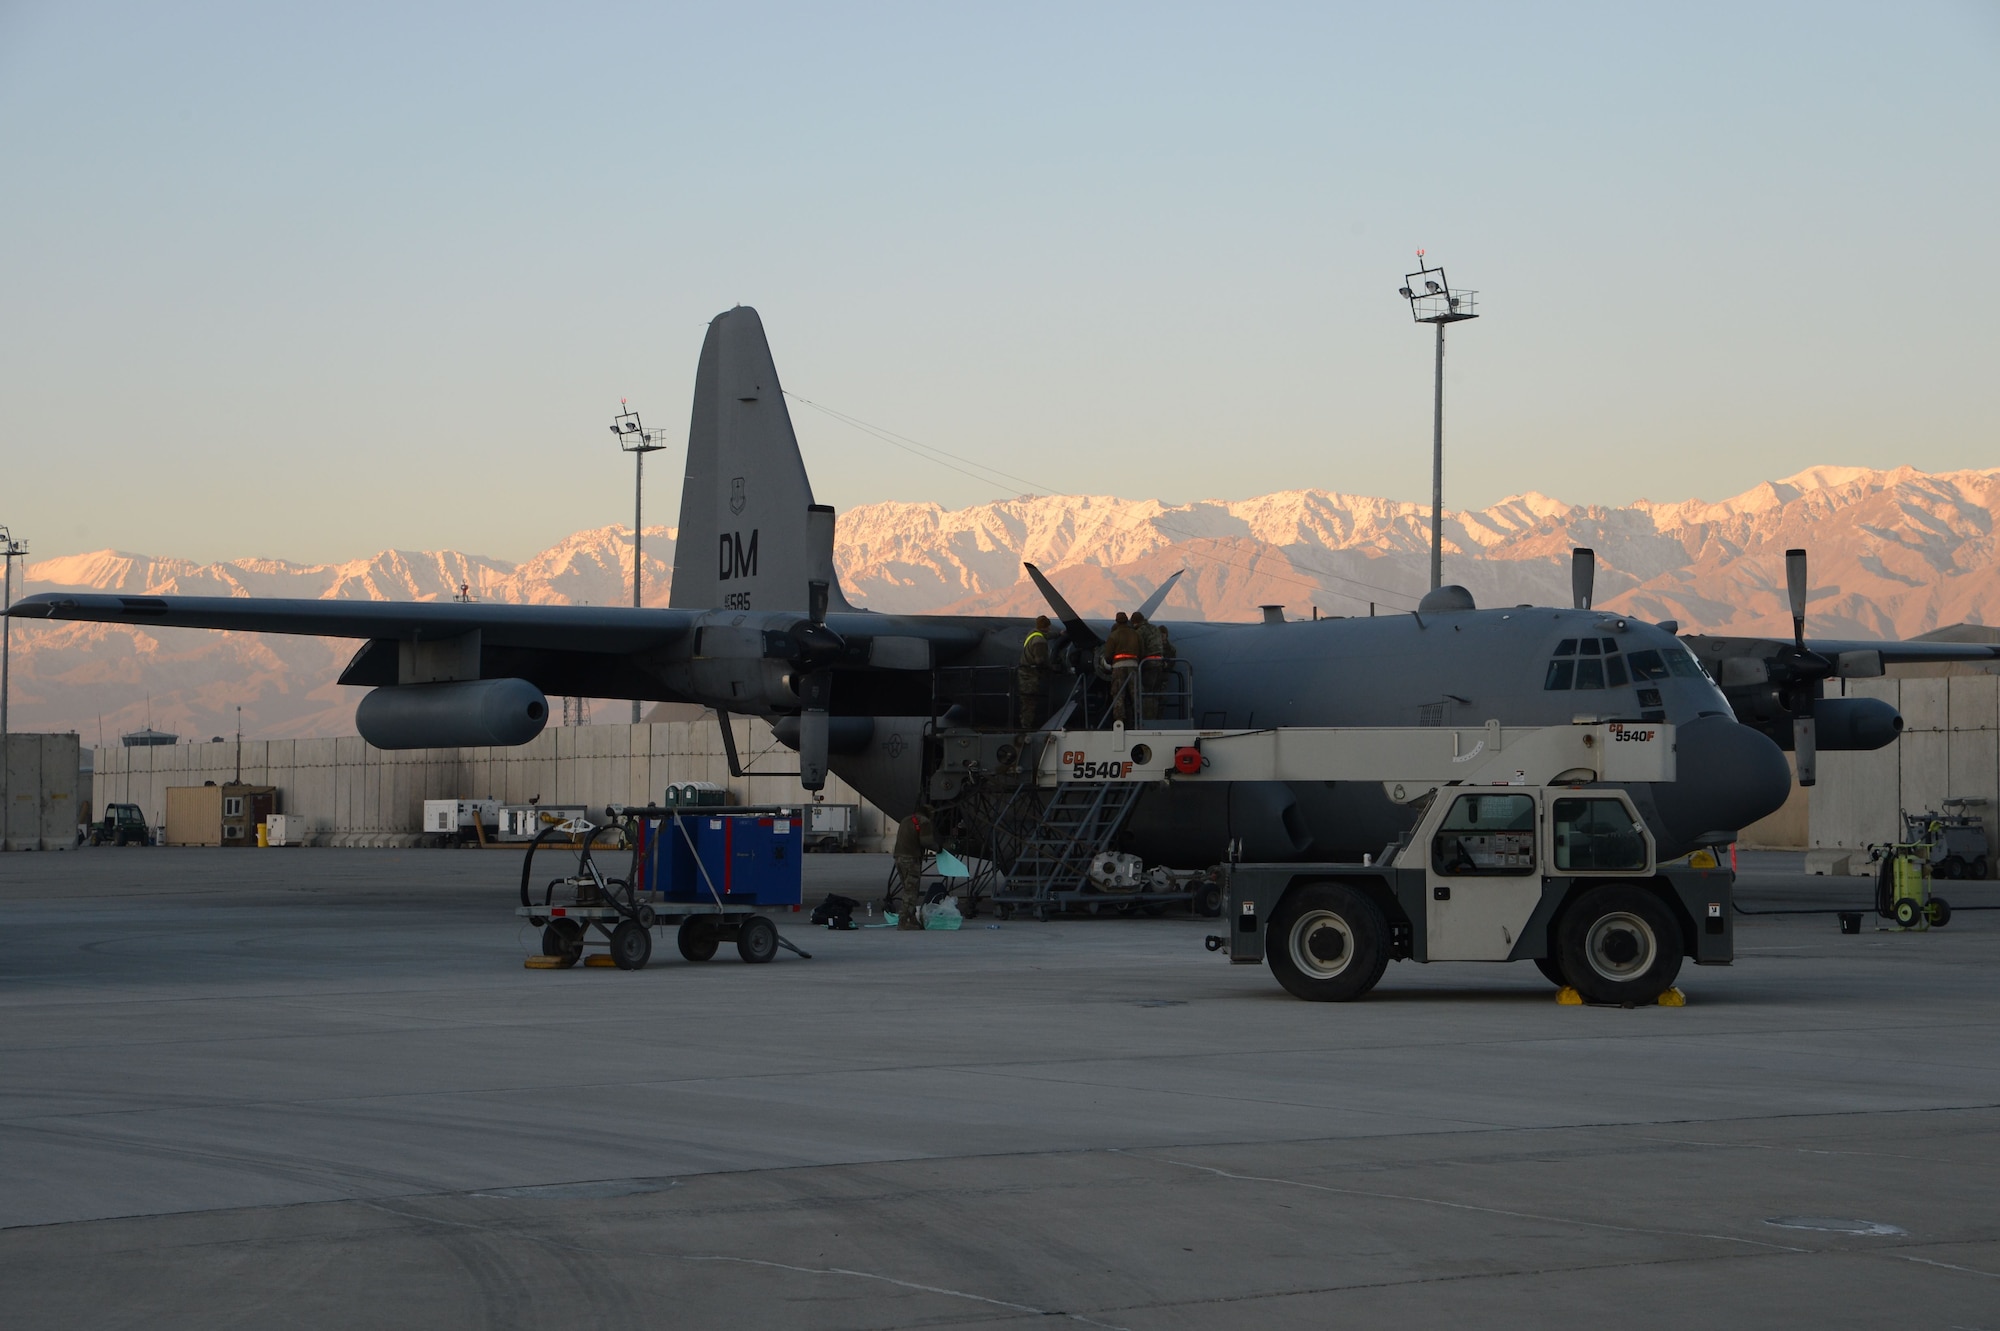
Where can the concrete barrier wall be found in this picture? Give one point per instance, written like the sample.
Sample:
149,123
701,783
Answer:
43,788
355,794
1950,749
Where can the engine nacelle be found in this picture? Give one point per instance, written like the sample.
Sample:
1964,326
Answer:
1856,723
465,713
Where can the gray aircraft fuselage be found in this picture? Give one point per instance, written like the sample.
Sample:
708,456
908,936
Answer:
1454,668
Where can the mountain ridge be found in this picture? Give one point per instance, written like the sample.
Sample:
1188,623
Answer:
1896,552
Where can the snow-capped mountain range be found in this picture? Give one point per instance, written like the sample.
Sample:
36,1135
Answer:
1894,553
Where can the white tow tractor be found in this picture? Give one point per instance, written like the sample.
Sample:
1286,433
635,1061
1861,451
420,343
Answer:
1526,849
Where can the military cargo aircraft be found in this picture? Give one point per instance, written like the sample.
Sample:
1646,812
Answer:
757,625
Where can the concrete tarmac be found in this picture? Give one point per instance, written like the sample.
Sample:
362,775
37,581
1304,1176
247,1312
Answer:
317,1088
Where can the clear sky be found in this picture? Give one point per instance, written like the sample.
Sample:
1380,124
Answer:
310,281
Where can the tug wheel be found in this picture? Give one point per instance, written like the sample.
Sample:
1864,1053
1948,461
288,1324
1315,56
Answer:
697,938
631,945
1328,944
757,940
1619,944
563,939
1979,866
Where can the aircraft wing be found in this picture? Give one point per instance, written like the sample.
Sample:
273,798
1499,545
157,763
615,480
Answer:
1857,652
569,628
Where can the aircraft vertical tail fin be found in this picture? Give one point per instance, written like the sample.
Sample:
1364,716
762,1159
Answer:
744,540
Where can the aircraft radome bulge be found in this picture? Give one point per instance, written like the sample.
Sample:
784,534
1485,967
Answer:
1445,600
473,713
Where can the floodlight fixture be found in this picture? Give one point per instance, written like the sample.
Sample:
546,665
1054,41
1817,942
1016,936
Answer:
1437,304
636,439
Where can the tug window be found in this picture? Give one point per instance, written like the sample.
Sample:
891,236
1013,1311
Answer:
1560,675
1596,834
1486,834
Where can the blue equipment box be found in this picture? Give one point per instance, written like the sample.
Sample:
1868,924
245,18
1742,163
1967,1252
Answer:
750,859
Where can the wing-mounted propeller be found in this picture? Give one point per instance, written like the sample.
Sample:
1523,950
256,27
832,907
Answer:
818,648
1807,670
1079,633
1159,596
1582,576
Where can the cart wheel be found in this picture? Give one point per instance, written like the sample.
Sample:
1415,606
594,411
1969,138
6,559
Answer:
1908,912
1619,944
1552,971
757,940
563,939
631,945
1979,867
1938,912
697,938
1208,900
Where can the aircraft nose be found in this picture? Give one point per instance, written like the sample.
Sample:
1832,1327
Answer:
1729,776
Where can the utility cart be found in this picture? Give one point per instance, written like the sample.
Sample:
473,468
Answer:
585,908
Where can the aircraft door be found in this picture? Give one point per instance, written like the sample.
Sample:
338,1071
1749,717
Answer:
1483,876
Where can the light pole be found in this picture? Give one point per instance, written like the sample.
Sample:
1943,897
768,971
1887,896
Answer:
1432,301
12,550
638,441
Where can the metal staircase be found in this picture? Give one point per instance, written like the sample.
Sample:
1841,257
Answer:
1053,868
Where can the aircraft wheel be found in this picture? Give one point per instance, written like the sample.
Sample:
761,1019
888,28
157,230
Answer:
1938,912
631,945
1329,943
1619,944
1552,971
563,939
757,940
1908,912
697,938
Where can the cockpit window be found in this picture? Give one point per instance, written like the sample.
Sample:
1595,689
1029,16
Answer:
1683,665
1588,647
1590,674
1610,645
1567,647
1561,675
1647,665
1614,672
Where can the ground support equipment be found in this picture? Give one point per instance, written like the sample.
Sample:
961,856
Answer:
622,916
1903,884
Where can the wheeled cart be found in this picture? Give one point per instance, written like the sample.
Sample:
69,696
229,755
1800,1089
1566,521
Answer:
628,939
577,910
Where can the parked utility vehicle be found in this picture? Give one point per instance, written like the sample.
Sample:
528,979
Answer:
1563,876
122,825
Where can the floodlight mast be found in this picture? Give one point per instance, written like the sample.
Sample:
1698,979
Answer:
1432,301
11,550
635,439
